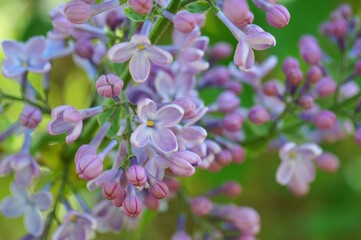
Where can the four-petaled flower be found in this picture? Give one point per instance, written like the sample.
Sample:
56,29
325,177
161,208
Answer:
297,162
23,57
139,50
155,125
29,206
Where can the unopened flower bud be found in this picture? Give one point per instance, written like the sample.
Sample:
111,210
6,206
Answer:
294,76
84,150
89,1
232,189
182,163
328,162
345,10
118,202
77,11
109,85
151,202
221,50
224,157
159,190
190,109
227,102
314,74
306,102
114,20
84,48
232,122
258,115
111,190
270,89
326,87
325,120
141,6
173,185
234,86
201,206
184,21
238,154
136,175
237,11
89,167
278,16
310,50
290,63
132,206
339,28
30,117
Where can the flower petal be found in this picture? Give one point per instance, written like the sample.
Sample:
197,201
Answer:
43,200
139,66
309,151
5,167
193,135
13,207
12,69
285,150
241,53
24,176
164,85
140,137
35,47
260,40
33,222
58,126
12,49
74,133
121,52
305,170
78,233
146,109
62,232
284,173
249,61
38,65
164,139
158,55
169,115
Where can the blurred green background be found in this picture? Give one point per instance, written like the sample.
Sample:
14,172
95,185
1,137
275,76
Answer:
332,209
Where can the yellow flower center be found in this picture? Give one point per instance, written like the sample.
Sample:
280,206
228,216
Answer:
140,47
24,64
292,154
73,218
150,123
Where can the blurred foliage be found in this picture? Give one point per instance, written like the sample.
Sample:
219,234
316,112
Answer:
330,211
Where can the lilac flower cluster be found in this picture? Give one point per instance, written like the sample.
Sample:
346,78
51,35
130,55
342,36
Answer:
149,125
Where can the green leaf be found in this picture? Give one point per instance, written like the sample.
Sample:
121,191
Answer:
131,14
123,2
198,7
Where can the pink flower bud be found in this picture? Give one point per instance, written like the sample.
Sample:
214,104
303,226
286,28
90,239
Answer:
30,117
290,63
306,102
328,162
182,163
159,190
188,106
358,68
201,206
72,115
234,86
132,206
141,6
89,167
221,50
136,175
227,102
258,115
215,167
278,16
345,10
339,28
218,76
118,202
173,185
237,11
232,122
294,76
109,85
224,157
326,87
84,150
111,190
310,50
77,11
84,48
89,1
238,154
314,74
270,89
113,19
184,21
231,189
151,202
325,120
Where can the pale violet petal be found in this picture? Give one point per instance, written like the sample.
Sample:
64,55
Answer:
169,115
13,207
121,52
193,135
158,55
164,139
139,66
33,222
284,173
43,200
140,137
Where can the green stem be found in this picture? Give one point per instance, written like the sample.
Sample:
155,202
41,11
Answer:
43,109
129,130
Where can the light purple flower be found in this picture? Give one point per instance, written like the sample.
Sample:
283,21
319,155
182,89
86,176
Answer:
140,52
76,225
29,206
23,57
69,119
108,216
155,125
297,162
